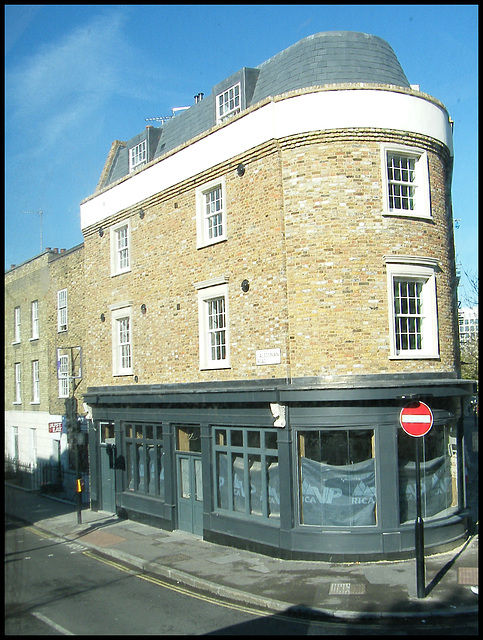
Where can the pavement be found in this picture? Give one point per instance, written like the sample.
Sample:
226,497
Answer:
345,590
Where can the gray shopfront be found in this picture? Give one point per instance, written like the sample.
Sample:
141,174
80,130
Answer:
300,470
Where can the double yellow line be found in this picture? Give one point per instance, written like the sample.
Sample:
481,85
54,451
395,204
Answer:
179,589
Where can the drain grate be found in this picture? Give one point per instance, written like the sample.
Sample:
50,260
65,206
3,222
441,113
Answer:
347,588
175,557
468,575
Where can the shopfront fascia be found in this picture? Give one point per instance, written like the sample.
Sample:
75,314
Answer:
300,470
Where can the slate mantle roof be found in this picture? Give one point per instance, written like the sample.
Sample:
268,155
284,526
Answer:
333,57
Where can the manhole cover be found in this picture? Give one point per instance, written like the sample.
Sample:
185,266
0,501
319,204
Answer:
347,588
468,575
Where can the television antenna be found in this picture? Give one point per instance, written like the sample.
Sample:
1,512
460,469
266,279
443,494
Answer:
41,214
163,119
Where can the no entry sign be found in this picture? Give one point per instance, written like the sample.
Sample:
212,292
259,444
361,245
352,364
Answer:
416,419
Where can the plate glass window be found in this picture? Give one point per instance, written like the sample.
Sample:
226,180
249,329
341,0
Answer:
438,473
246,472
337,480
145,460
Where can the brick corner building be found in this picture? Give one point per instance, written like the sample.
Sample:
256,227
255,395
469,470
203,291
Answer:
271,277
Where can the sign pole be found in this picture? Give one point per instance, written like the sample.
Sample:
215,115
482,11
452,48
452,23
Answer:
416,419
419,529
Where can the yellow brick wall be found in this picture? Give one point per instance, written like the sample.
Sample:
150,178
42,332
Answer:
67,272
305,228
337,238
165,267
23,284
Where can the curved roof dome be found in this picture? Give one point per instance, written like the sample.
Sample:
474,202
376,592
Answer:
331,57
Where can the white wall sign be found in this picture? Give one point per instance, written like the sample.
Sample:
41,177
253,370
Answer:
268,356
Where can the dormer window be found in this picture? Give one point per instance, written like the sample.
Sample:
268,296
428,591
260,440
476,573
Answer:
228,103
137,155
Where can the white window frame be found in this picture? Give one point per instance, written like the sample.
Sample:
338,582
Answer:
204,230
422,198
228,102
120,254
18,383
64,376
62,310
16,325
138,155
209,344
423,271
35,320
35,382
122,349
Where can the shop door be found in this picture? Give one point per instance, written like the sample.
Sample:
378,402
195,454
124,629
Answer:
108,477
190,492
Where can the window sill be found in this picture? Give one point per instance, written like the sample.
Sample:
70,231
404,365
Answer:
16,342
119,273
18,404
36,402
33,339
415,356
210,243
413,215
215,367
123,373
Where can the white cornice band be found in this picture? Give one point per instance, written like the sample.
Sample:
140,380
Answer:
318,111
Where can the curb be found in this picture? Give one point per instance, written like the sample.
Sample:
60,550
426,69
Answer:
236,595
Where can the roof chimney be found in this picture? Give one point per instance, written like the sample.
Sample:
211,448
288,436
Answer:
198,97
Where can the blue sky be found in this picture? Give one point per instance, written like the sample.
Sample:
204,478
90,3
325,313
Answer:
78,77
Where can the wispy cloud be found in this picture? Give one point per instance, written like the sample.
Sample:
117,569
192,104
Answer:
66,83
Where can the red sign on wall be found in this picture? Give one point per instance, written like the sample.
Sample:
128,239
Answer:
416,419
55,427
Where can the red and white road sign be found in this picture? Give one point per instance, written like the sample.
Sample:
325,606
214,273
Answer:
416,419
55,427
